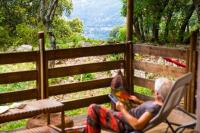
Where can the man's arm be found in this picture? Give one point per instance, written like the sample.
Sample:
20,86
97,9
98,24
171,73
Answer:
136,99
137,124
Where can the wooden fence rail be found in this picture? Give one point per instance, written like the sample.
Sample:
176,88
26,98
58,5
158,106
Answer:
42,73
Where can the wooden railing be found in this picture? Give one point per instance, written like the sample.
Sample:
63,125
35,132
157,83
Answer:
21,76
162,70
42,73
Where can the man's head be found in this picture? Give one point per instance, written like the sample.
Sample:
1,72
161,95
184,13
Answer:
162,88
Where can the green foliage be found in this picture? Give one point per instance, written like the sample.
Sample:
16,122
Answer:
142,90
76,38
171,19
118,34
13,125
20,21
114,57
85,77
26,34
76,25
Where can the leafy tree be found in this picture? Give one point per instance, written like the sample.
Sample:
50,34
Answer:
162,20
51,8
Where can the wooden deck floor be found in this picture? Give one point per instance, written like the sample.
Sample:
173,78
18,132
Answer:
79,120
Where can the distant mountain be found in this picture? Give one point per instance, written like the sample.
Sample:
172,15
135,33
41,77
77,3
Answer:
98,16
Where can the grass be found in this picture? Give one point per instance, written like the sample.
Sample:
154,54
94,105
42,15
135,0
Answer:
12,125
143,90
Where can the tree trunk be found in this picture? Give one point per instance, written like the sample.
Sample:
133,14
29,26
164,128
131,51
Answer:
142,29
47,12
137,27
157,20
169,17
197,5
189,13
155,32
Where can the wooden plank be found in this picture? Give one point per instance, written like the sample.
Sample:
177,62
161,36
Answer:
85,102
15,77
129,67
129,19
38,80
144,82
76,87
160,51
187,70
86,68
18,96
159,69
11,58
194,62
198,92
85,51
43,66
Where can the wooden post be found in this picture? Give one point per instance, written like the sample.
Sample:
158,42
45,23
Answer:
129,74
198,90
129,47
38,82
193,69
188,70
43,66
129,31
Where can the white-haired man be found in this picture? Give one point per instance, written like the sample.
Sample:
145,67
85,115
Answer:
125,121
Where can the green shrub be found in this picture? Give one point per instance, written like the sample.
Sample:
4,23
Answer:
26,34
118,34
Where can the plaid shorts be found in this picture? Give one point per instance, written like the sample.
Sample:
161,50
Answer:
99,117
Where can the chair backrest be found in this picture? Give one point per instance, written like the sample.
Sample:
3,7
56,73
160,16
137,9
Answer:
174,97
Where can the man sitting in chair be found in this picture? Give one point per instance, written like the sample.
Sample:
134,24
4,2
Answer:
125,121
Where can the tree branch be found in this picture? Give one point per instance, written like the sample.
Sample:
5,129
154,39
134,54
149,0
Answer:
52,5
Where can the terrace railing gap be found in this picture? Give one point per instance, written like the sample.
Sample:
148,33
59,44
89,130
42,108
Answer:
42,73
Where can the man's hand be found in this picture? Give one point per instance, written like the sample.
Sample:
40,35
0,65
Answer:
120,106
135,99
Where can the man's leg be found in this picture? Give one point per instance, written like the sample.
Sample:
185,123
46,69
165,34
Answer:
101,117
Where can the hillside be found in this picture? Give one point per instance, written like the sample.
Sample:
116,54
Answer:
98,16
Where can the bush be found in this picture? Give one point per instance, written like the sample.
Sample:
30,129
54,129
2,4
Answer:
26,34
118,34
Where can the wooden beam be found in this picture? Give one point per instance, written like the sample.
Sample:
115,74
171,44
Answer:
85,51
129,68
86,68
15,77
198,89
160,51
187,69
21,57
85,102
77,87
144,82
159,69
43,66
38,80
192,68
18,96
129,48
129,19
